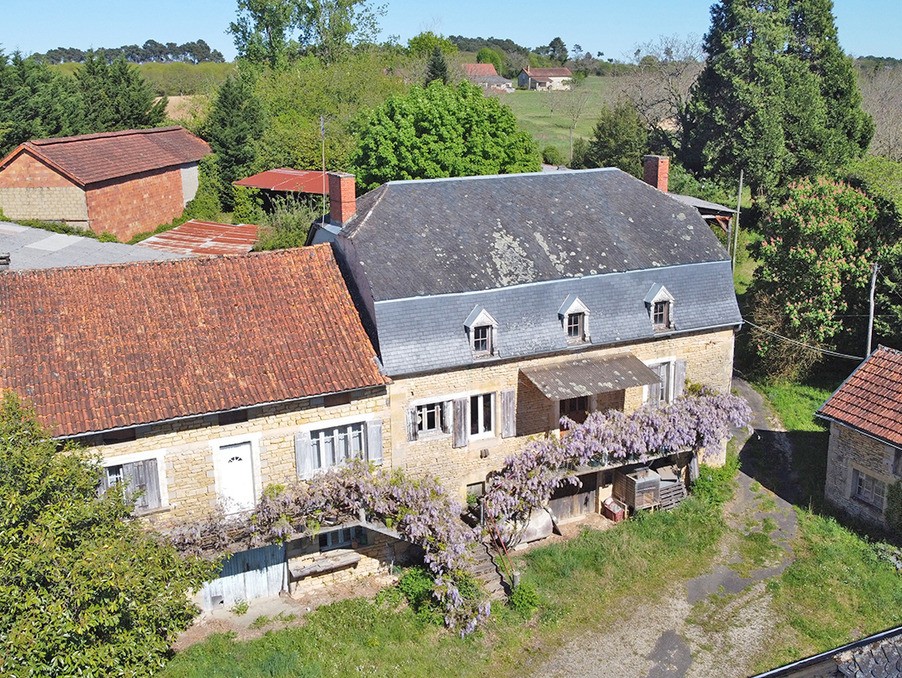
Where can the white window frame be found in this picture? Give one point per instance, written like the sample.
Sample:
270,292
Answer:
870,482
325,431
491,433
338,422
444,427
255,440
573,306
160,456
489,340
671,363
656,295
480,318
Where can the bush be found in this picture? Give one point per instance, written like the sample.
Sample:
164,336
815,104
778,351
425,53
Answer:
551,155
248,205
418,585
287,225
524,599
205,205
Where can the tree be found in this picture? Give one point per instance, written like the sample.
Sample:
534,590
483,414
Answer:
234,125
556,50
489,56
441,131
810,259
437,68
262,30
777,97
84,588
116,96
572,104
424,44
620,140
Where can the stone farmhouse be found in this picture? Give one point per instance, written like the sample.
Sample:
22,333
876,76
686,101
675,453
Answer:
864,457
557,295
545,79
485,76
123,183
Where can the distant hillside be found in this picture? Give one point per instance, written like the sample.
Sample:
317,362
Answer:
174,78
195,52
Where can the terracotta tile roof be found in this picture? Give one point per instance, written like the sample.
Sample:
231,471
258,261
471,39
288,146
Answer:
204,238
284,179
120,345
92,158
870,400
548,72
480,70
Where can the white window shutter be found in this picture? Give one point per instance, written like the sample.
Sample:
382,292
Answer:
679,378
459,437
447,412
374,442
508,414
303,452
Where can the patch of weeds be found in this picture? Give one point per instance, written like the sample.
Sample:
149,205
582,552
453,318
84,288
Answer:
768,525
240,608
285,617
261,622
755,486
756,549
767,503
525,599
708,613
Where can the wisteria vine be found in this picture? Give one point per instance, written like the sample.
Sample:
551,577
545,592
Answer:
420,510
528,479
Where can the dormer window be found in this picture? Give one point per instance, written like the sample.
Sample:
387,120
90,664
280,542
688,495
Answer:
660,307
574,318
482,331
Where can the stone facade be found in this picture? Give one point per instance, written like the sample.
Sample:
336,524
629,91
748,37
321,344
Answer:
709,361
851,454
29,189
185,449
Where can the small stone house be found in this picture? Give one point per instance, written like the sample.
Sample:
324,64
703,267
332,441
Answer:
202,381
123,183
545,79
485,76
864,457
500,304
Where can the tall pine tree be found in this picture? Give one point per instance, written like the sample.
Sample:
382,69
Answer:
437,68
116,96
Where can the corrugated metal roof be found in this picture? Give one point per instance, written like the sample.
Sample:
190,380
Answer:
288,180
205,238
590,376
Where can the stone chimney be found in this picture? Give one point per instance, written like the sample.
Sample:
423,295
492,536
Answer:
4,261
342,198
657,171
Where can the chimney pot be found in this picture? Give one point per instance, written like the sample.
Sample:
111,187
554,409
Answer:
342,197
657,171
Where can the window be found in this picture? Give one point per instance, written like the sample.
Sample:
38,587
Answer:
482,414
662,392
576,323
336,445
341,538
661,314
482,339
142,482
431,418
575,408
869,490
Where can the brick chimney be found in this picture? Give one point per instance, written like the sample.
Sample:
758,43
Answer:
657,171
342,197
4,261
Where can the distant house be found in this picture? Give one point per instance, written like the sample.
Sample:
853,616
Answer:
864,458
545,78
485,76
122,183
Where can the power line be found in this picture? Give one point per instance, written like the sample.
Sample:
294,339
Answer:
799,343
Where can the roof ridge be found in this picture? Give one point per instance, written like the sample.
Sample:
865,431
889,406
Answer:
474,177
50,141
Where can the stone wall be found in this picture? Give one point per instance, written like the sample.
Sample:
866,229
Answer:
185,449
849,451
709,361
29,189
137,204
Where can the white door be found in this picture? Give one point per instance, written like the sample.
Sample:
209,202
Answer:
236,477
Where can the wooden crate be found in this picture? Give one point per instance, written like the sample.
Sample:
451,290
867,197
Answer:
640,489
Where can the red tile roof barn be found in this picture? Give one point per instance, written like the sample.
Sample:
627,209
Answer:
204,238
870,400
479,70
93,158
121,345
548,72
285,179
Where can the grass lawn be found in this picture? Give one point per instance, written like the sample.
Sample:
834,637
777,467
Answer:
578,582
534,113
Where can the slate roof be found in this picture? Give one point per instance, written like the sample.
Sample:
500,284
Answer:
36,248
441,236
870,400
92,158
204,238
122,345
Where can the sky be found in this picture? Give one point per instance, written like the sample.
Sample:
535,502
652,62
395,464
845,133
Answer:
614,27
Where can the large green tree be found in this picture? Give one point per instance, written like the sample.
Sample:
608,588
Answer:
620,140
442,131
116,96
84,588
777,97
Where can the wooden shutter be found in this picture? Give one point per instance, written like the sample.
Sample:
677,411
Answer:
374,441
459,423
152,486
508,414
142,484
654,390
679,378
303,452
412,424
447,416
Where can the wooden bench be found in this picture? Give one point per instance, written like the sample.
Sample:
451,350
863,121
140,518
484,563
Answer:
325,564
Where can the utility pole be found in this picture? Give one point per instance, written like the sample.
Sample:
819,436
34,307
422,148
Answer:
736,228
322,136
871,314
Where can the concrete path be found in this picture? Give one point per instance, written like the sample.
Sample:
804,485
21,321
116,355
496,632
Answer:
715,624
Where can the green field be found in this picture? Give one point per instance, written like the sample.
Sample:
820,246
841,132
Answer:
541,114
173,79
